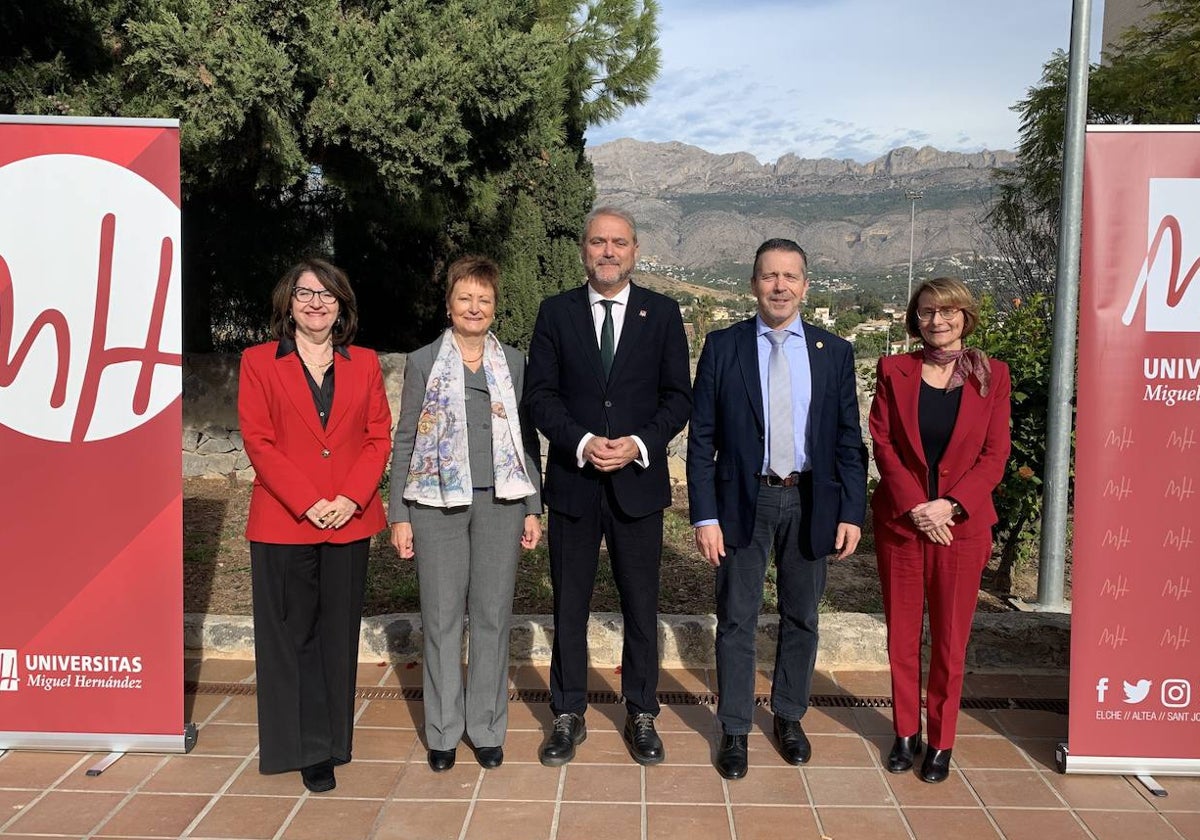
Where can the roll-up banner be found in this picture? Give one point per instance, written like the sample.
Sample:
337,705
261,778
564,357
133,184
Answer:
1135,624
91,502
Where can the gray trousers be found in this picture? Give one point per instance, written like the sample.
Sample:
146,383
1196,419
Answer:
467,563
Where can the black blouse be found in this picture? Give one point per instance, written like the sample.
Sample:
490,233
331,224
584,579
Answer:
937,411
322,394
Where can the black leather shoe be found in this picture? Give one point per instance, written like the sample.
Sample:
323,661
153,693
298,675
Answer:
319,777
489,757
900,759
793,743
568,731
936,766
441,760
731,756
644,744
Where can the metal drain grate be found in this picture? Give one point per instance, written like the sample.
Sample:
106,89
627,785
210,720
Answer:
667,698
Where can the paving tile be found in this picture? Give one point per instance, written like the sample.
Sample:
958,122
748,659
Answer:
69,812
597,783
193,774
978,722
528,716
421,821
386,744
769,786
372,674
671,822
688,680
994,685
1121,825
689,747
863,788
361,779
681,718
155,815
521,746
592,820
839,751
835,721
864,683
868,721
1011,789
950,823
754,822
226,739
419,782
987,752
1039,751
129,772
221,671
394,714
1113,793
532,677
761,751
824,682
403,675
1183,793
198,709
1186,823
521,782
1037,824
1028,723
1046,686
245,817
669,784
237,710
250,782
493,820
910,791
604,679
601,747
36,770
345,819
862,824
12,801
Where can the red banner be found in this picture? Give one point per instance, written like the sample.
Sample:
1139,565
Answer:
1135,669
91,632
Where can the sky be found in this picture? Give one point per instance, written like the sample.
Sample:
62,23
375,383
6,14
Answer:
846,78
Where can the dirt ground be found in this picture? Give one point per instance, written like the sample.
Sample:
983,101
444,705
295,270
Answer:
216,567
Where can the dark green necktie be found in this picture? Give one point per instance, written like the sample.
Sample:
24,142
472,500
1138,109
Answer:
608,342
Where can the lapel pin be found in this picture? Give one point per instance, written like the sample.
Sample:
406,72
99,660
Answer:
820,344
641,313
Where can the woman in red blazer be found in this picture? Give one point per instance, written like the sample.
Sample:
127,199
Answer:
940,426
316,422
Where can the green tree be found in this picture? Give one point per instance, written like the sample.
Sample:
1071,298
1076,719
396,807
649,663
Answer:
1151,77
393,134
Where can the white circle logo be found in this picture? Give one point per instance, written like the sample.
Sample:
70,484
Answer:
90,338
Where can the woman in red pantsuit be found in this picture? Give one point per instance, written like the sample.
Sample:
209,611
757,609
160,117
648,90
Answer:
940,426
316,422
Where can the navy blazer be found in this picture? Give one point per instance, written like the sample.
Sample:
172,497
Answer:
647,394
726,441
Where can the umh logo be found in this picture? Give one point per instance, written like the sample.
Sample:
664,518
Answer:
10,680
1172,260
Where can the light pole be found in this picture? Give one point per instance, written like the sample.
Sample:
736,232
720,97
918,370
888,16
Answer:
913,196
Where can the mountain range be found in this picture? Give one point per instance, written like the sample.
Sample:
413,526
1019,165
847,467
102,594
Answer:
700,210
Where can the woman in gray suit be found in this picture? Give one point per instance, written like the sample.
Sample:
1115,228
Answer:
465,499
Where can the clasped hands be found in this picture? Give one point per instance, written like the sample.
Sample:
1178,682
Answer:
331,514
934,520
610,454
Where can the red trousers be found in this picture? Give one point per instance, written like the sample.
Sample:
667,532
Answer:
911,570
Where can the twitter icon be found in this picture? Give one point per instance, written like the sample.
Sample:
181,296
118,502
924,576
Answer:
1137,692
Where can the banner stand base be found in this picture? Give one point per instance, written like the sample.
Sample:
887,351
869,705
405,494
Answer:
1125,766
107,742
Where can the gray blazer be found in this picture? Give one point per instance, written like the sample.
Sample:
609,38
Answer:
416,376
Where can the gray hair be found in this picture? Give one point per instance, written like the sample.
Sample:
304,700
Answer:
608,210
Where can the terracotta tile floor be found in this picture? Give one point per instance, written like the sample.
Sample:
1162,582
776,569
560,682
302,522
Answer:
1002,785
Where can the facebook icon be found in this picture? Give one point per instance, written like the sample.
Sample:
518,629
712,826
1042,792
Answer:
1101,689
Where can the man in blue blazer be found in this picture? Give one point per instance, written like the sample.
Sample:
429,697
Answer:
776,464
608,385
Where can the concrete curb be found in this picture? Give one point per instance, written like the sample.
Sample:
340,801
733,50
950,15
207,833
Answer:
1028,642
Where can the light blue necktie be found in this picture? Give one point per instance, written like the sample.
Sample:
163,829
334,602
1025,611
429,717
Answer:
782,453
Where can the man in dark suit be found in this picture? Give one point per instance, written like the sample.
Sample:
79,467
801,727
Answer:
776,464
608,386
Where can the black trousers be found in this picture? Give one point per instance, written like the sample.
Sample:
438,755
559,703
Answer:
635,551
308,602
781,520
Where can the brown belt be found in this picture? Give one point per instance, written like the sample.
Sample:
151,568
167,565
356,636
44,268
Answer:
789,480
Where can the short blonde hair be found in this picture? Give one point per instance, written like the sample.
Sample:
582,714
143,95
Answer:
946,291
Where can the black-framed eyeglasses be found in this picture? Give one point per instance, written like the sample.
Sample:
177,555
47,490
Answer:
305,294
947,312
